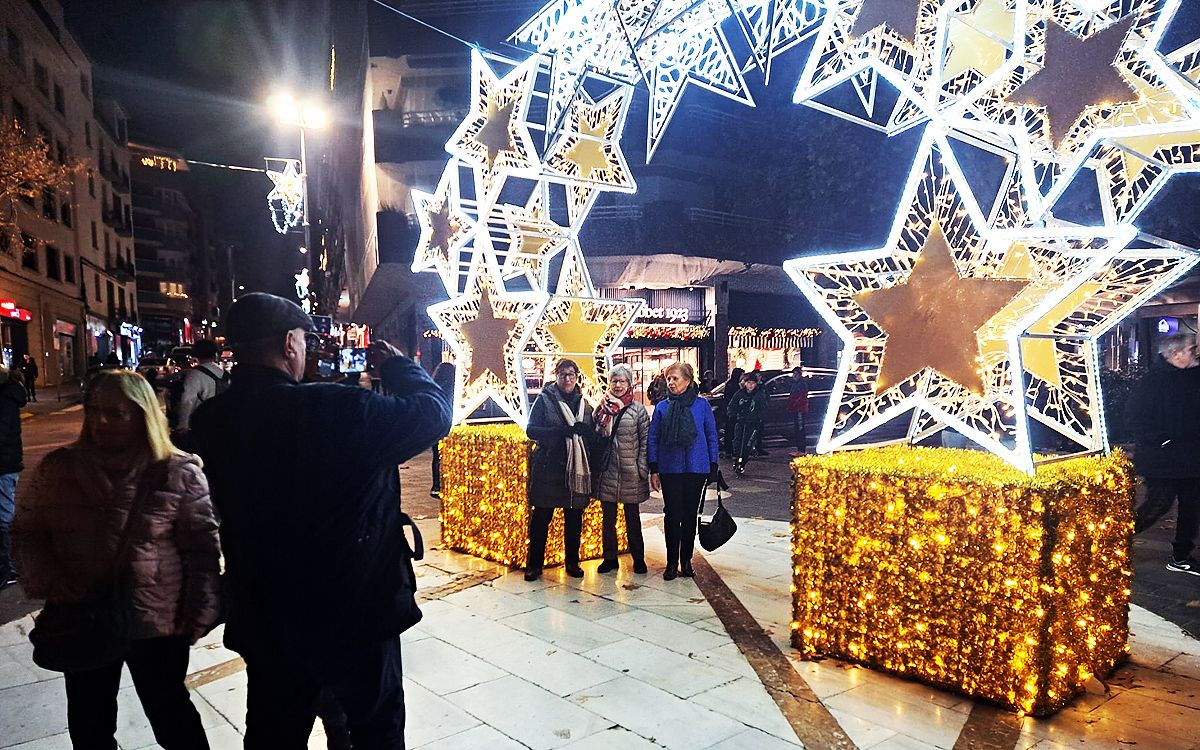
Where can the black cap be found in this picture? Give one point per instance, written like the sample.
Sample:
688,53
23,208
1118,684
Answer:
259,315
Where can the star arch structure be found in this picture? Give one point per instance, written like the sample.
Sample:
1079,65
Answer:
286,199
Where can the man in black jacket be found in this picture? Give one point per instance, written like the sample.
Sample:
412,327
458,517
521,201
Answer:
304,477
12,398
1165,415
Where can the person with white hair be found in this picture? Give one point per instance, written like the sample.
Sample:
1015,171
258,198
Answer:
622,474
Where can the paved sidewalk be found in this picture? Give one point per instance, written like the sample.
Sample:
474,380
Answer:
634,662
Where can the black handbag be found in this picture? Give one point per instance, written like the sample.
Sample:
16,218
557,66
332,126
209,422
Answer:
82,636
720,528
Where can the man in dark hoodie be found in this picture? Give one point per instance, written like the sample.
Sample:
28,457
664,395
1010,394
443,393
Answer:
12,398
1165,415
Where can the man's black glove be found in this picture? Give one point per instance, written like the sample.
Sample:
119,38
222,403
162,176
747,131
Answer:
713,473
582,429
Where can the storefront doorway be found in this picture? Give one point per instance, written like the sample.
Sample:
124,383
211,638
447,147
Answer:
648,361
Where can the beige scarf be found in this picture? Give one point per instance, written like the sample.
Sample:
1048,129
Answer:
579,471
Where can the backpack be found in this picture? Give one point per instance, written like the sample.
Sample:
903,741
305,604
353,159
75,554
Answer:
222,381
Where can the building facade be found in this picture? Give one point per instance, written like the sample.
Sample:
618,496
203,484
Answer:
67,297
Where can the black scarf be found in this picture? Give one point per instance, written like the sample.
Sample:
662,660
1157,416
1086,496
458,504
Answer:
679,427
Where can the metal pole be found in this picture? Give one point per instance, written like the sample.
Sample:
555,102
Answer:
304,188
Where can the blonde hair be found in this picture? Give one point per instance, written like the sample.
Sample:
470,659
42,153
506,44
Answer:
135,388
683,368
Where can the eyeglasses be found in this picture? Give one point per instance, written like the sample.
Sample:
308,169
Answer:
569,375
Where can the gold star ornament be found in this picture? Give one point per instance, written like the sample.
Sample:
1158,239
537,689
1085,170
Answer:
586,330
445,229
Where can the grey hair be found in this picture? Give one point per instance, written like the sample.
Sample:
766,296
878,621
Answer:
1176,342
621,371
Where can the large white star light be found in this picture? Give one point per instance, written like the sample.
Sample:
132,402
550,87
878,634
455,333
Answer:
1093,76
446,229
932,322
773,27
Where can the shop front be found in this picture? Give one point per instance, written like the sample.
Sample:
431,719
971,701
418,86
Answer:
776,332
674,326
14,331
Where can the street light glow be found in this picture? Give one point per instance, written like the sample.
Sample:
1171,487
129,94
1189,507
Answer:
287,111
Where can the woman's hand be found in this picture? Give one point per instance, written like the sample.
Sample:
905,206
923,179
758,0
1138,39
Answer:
655,484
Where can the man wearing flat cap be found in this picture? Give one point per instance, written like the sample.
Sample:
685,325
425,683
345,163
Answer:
304,477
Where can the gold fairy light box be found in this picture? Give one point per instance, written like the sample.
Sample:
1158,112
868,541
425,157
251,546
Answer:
485,499
952,567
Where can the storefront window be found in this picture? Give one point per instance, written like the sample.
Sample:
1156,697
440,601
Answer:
647,362
771,348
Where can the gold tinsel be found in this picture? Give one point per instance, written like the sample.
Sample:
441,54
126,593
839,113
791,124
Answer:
485,507
954,568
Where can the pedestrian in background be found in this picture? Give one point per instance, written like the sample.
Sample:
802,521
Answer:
622,471
747,411
707,381
728,391
305,479
122,502
797,406
1165,414
560,474
12,398
29,371
200,383
443,375
682,454
657,390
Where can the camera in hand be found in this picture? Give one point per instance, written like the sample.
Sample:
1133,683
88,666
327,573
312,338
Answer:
352,360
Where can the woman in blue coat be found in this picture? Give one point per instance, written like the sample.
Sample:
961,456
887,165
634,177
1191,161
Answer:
682,454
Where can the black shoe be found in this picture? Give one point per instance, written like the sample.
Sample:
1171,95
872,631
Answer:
532,574
685,570
639,566
435,493
670,573
1184,566
574,570
6,581
607,566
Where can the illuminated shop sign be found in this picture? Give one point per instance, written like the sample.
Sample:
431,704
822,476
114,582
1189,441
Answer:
165,163
9,309
670,314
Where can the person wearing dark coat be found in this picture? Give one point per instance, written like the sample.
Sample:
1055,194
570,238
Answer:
559,472
728,391
443,375
305,479
12,398
682,454
1165,415
29,370
747,412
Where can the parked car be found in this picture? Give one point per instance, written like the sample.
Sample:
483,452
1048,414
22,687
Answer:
166,366
778,385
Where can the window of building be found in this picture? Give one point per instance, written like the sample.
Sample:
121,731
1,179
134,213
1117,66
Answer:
91,183
85,85
96,277
60,100
53,263
62,153
87,134
19,114
41,78
69,268
29,255
16,48
49,204
172,289
95,237
111,298
107,244
64,212
121,296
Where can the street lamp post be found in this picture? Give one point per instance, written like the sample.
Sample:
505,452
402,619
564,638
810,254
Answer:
306,115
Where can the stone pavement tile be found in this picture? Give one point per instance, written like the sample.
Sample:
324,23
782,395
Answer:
481,737
903,742
728,657
1150,714
1085,732
643,594
469,632
753,739
133,729
1158,684
662,668
747,701
441,668
489,602
615,738
224,737
712,624
576,602
1185,665
691,613
863,732
529,714
514,582
54,742
827,677
884,706
32,711
563,629
15,668
657,715
550,667
429,717
228,696
664,631
17,631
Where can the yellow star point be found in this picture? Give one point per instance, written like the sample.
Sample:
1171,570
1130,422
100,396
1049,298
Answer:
580,339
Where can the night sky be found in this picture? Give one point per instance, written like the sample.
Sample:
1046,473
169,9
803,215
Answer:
193,75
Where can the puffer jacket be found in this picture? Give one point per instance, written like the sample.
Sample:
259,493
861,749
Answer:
68,525
625,474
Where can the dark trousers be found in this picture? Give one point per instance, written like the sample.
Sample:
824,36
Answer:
158,667
539,529
633,531
681,502
437,468
745,440
798,432
31,388
283,695
1161,494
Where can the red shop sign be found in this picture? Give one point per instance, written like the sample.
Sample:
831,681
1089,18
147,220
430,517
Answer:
9,309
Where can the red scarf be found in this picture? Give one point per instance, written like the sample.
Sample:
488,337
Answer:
609,407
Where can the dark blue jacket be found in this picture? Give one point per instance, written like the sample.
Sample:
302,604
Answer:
696,459
12,397
304,480
1164,411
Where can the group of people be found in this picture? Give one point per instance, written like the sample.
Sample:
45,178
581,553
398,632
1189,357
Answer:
318,581
617,453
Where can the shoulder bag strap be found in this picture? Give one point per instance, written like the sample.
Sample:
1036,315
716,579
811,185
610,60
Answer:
146,484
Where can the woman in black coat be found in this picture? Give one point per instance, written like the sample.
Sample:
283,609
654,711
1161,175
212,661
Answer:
559,473
443,375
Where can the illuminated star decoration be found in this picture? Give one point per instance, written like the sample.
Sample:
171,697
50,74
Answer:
286,199
1109,83
445,229
933,321
981,47
533,239
1135,168
773,27
487,328
587,154
587,331
494,138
